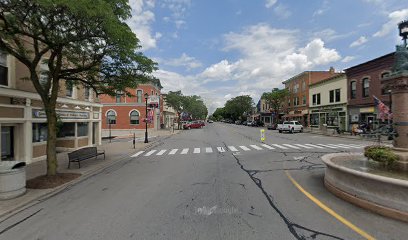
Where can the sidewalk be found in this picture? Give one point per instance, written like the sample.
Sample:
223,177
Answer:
333,133
115,152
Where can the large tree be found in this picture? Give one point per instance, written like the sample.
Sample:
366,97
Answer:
175,100
83,42
237,107
275,99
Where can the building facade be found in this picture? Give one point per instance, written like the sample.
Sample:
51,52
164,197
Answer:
364,82
22,117
297,104
328,103
170,116
124,115
265,112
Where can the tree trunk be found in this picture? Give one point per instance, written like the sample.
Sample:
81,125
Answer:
52,162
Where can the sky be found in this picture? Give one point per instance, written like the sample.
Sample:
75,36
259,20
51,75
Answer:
220,49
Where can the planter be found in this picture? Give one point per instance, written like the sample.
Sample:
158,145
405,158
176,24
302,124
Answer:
379,193
12,179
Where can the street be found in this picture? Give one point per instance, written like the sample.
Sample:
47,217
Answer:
218,182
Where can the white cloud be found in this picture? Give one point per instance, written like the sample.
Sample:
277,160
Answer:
140,23
347,59
178,10
282,11
393,19
270,3
324,8
267,56
183,61
360,41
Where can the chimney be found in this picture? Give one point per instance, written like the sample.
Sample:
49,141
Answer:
331,70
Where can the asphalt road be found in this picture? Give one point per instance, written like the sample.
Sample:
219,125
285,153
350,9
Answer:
220,183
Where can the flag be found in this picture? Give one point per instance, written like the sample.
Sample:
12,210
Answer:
383,110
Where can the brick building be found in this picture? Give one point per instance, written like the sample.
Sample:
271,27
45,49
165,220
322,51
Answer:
22,117
127,114
364,82
297,104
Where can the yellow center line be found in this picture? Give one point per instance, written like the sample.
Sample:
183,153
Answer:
330,211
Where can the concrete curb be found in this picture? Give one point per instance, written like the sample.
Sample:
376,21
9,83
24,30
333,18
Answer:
347,137
92,172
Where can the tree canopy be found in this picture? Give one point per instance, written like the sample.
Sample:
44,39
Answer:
275,99
193,105
237,108
82,42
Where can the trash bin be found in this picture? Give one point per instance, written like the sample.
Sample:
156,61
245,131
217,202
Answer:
12,179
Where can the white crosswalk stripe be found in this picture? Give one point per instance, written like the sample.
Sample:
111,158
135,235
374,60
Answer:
137,154
314,146
303,146
150,153
288,145
173,151
197,150
161,152
256,147
220,149
267,146
327,146
184,151
279,146
244,148
232,148
349,145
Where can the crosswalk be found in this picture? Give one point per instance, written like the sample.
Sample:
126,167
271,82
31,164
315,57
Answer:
251,147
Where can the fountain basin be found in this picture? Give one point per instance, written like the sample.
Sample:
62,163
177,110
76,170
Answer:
350,178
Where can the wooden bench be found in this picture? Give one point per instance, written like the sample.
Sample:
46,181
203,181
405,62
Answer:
84,154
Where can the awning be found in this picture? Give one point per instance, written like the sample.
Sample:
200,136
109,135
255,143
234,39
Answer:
293,115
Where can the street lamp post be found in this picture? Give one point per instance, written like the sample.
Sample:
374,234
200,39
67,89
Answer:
146,138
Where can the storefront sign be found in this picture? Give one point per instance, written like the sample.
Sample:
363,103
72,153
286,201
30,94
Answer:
367,110
62,114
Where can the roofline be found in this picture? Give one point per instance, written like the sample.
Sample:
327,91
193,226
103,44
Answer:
372,60
300,74
339,75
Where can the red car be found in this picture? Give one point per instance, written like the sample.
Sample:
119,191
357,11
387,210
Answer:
194,124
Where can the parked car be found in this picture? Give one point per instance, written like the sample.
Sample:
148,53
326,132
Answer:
244,123
251,123
272,126
210,121
193,124
290,126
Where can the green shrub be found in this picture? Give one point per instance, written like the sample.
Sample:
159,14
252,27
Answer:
381,154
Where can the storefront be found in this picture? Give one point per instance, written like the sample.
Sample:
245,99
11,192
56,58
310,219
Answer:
24,128
330,117
298,115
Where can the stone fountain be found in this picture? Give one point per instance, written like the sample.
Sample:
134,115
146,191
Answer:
353,178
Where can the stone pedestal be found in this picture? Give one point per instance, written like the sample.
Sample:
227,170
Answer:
398,84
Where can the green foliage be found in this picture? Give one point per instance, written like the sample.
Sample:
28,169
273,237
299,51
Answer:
193,105
381,154
275,99
237,107
219,114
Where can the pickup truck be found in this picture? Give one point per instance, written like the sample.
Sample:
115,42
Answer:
290,126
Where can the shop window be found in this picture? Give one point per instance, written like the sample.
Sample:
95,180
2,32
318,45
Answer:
82,129
338,95
353,89
139,95
366,87
295,101
3,69
111,117
331,96
66,130
40,132
314,119
383,91
134,117
316,99
69,89
87,93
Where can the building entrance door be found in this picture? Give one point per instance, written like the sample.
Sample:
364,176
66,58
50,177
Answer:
7,143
